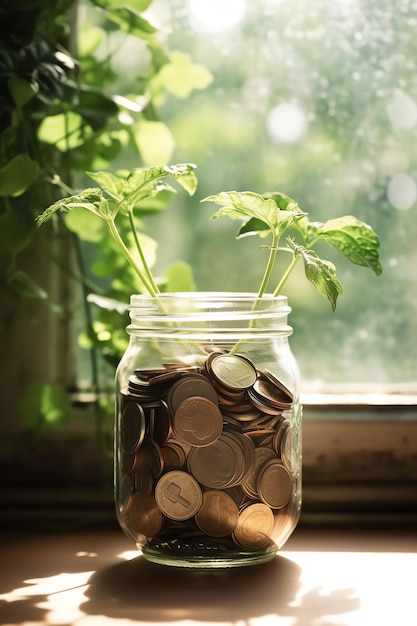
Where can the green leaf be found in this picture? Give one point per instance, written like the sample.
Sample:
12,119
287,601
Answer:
90,199
145,182
114,185
179,278
132,22
321,273
355,239
86,225
253,226
65,130
21,90
283,202
18,175
238,205
180,76
154,141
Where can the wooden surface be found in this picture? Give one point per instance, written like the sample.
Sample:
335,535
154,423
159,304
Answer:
323,577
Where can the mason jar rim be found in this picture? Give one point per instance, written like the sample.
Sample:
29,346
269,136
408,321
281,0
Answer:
211,297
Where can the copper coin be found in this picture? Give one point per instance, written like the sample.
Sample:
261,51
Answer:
284,521
189,386
144,515
278,383
274,485
148,458
262,456
132,429
174,455
198,421
247,448
261,403
233,371
217,515
287,449
254,526
160,421
217,466
178,495
271,393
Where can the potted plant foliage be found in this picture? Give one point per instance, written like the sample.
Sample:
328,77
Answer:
208,412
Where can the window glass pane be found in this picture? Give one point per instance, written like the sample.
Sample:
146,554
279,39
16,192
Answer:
319,100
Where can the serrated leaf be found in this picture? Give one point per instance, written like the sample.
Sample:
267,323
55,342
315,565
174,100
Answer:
114,185
90,199
355,239
238,205
321,273
253,226
283,202
144,182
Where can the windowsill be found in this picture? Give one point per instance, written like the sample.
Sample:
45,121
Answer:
339,576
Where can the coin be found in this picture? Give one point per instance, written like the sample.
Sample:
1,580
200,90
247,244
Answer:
282,426
217,515
287,449
217,466
197,421
178,495
189,386
132,429
272,391
283,524
174,455
144,515
262,456
254,526
278,383
232,371
148,458
261,403
274,485
159,420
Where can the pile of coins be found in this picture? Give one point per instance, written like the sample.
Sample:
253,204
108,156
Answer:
205,455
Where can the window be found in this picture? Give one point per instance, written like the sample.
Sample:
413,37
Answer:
318,100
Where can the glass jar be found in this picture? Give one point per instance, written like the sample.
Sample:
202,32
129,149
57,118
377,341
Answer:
208,429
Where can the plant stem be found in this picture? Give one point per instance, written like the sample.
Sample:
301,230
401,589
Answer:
115,233
140,252
271,260
286,275
270,265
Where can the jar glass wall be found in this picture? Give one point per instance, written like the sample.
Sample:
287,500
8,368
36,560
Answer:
208,429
